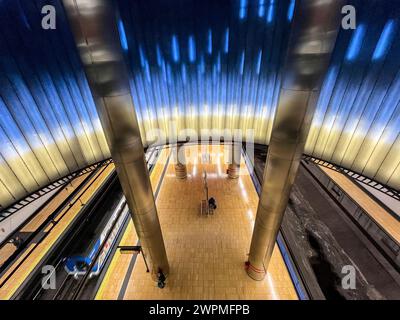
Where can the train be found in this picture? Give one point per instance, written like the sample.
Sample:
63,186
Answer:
78,265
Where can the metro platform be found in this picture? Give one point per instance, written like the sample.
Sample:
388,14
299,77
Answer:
30,258
207,254
387,222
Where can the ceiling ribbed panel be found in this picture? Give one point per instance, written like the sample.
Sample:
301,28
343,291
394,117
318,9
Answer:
202,64
213,64
206,64
48,122
357,123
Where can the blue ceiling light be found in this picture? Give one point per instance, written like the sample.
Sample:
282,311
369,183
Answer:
175,48
291,10
159,56
214,73
259,61
142,57
241,67
23,16
122,35
209,42
219,63
202,66
270,15
192,49
355,43
242,9
226,43
164,72
169,74
147,71
261,8
184,75
385,40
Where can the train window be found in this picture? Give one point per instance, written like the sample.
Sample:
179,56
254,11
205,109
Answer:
337,191
82,266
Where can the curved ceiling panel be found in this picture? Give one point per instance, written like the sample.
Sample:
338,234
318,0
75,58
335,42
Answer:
216,64
357,122
203,64
48,121
206,64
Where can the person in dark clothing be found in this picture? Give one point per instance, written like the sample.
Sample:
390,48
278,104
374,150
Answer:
161,279
17,242
212,203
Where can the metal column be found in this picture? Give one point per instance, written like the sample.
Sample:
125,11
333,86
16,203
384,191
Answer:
97,31
314,31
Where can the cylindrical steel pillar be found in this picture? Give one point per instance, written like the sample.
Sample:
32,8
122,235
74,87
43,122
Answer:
314,30
180,161
234,160
99,37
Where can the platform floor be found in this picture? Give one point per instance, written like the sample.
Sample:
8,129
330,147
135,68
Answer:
206,253
383,218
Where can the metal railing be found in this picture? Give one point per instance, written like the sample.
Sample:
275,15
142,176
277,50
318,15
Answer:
20,204
356,177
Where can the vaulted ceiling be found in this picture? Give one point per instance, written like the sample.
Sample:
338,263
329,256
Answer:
203,64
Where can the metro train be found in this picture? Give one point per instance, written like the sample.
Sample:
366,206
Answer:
79,265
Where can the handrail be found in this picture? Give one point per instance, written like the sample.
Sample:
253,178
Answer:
22,203
390,192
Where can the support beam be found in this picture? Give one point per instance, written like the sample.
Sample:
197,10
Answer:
98,34
314,31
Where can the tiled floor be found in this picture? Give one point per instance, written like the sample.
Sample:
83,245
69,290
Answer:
207,254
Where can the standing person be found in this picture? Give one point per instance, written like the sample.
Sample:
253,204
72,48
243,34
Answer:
161,279
212,203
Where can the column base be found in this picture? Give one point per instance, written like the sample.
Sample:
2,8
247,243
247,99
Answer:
180,171
255,273
233,171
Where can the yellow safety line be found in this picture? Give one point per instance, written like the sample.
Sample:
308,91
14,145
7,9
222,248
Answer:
36,255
